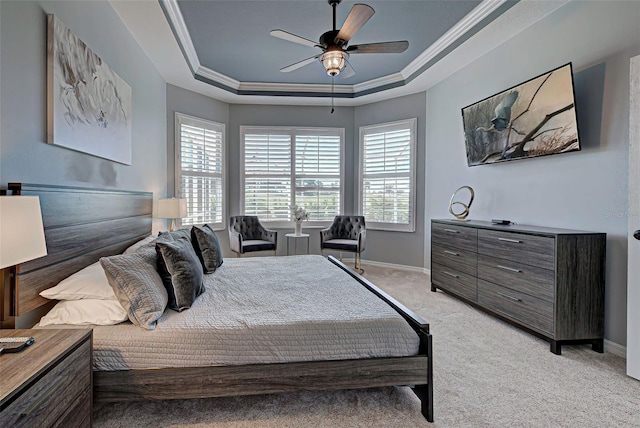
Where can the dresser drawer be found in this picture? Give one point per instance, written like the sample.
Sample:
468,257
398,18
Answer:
534,281
58,398
528,249
451,235
455,281
455,258
534,313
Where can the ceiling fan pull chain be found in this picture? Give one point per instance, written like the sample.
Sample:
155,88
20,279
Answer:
332,80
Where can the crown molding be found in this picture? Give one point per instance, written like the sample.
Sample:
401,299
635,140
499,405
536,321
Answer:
477,15
401,78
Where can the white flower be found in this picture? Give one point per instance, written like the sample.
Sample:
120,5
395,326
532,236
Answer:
299,213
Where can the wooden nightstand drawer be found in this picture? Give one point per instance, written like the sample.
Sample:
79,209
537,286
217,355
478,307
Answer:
55,396
465,238
529,249
48,384
532,280
534,313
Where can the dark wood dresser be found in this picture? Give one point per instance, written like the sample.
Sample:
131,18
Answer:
48,384
548,281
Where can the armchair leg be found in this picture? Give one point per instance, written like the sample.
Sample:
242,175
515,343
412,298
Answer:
358,263
340,255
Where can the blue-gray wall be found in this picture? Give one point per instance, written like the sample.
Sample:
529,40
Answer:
581,190
24,154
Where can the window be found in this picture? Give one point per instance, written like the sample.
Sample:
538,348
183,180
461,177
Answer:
200,170
284,167
387,175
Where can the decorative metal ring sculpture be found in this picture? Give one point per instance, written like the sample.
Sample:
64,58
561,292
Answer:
465,212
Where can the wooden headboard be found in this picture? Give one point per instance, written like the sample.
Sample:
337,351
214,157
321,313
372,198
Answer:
80,226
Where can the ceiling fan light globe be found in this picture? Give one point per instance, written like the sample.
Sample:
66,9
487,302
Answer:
334,61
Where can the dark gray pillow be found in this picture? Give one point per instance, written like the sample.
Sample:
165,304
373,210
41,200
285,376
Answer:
207,247
180,270
137,286
176,233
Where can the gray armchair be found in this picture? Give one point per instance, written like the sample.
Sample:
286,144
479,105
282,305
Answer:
346,233
246,234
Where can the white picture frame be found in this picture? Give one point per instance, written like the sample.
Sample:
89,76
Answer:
88,104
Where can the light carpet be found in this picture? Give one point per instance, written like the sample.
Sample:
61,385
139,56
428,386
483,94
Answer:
487,374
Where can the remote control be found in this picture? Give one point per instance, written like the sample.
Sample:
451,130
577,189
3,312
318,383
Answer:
14,344
500,221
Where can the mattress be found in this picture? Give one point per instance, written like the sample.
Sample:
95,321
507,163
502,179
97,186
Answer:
263,310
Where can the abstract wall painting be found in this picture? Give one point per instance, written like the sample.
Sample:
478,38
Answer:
535,118
88,104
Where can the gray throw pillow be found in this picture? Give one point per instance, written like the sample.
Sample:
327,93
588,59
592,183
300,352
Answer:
180,270
207,247
137,286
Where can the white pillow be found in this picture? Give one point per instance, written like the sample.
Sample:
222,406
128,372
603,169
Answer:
88,283
134,247
84,312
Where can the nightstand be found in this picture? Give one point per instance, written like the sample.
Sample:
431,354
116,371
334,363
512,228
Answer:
49,383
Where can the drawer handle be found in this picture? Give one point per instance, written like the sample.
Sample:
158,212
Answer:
451,230
515,299
510,269
453,275
515,241
35,406
453,253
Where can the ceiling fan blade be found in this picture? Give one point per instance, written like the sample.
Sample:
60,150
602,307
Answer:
383,47
299,64
281,34
359,15
347,72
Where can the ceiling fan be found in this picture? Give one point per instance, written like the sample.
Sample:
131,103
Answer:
333,43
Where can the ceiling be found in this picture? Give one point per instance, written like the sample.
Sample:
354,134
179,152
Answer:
222,48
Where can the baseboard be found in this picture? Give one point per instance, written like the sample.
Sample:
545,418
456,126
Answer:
615,348
391,265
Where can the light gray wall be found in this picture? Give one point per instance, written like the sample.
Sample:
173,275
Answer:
403,248
24,154
181,100
265,115
581,190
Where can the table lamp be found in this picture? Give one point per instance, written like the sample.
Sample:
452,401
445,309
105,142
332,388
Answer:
172,208
21,230
21,239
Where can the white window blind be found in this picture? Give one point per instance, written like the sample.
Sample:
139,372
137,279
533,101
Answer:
200,169
387,171
284,167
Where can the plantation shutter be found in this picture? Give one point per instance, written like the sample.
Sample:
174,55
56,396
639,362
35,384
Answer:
284,167
318,175
387,175
267,180
201,163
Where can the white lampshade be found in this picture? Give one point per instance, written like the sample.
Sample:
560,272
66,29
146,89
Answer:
172,208
21,230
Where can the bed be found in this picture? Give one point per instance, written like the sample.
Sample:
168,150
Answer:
82,225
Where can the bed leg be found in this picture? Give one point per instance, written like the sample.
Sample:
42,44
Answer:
425,392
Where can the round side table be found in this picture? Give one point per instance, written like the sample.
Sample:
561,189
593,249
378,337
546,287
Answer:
295,241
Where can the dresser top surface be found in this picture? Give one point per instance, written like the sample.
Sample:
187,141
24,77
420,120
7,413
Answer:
516,228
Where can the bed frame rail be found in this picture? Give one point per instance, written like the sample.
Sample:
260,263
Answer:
424,391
